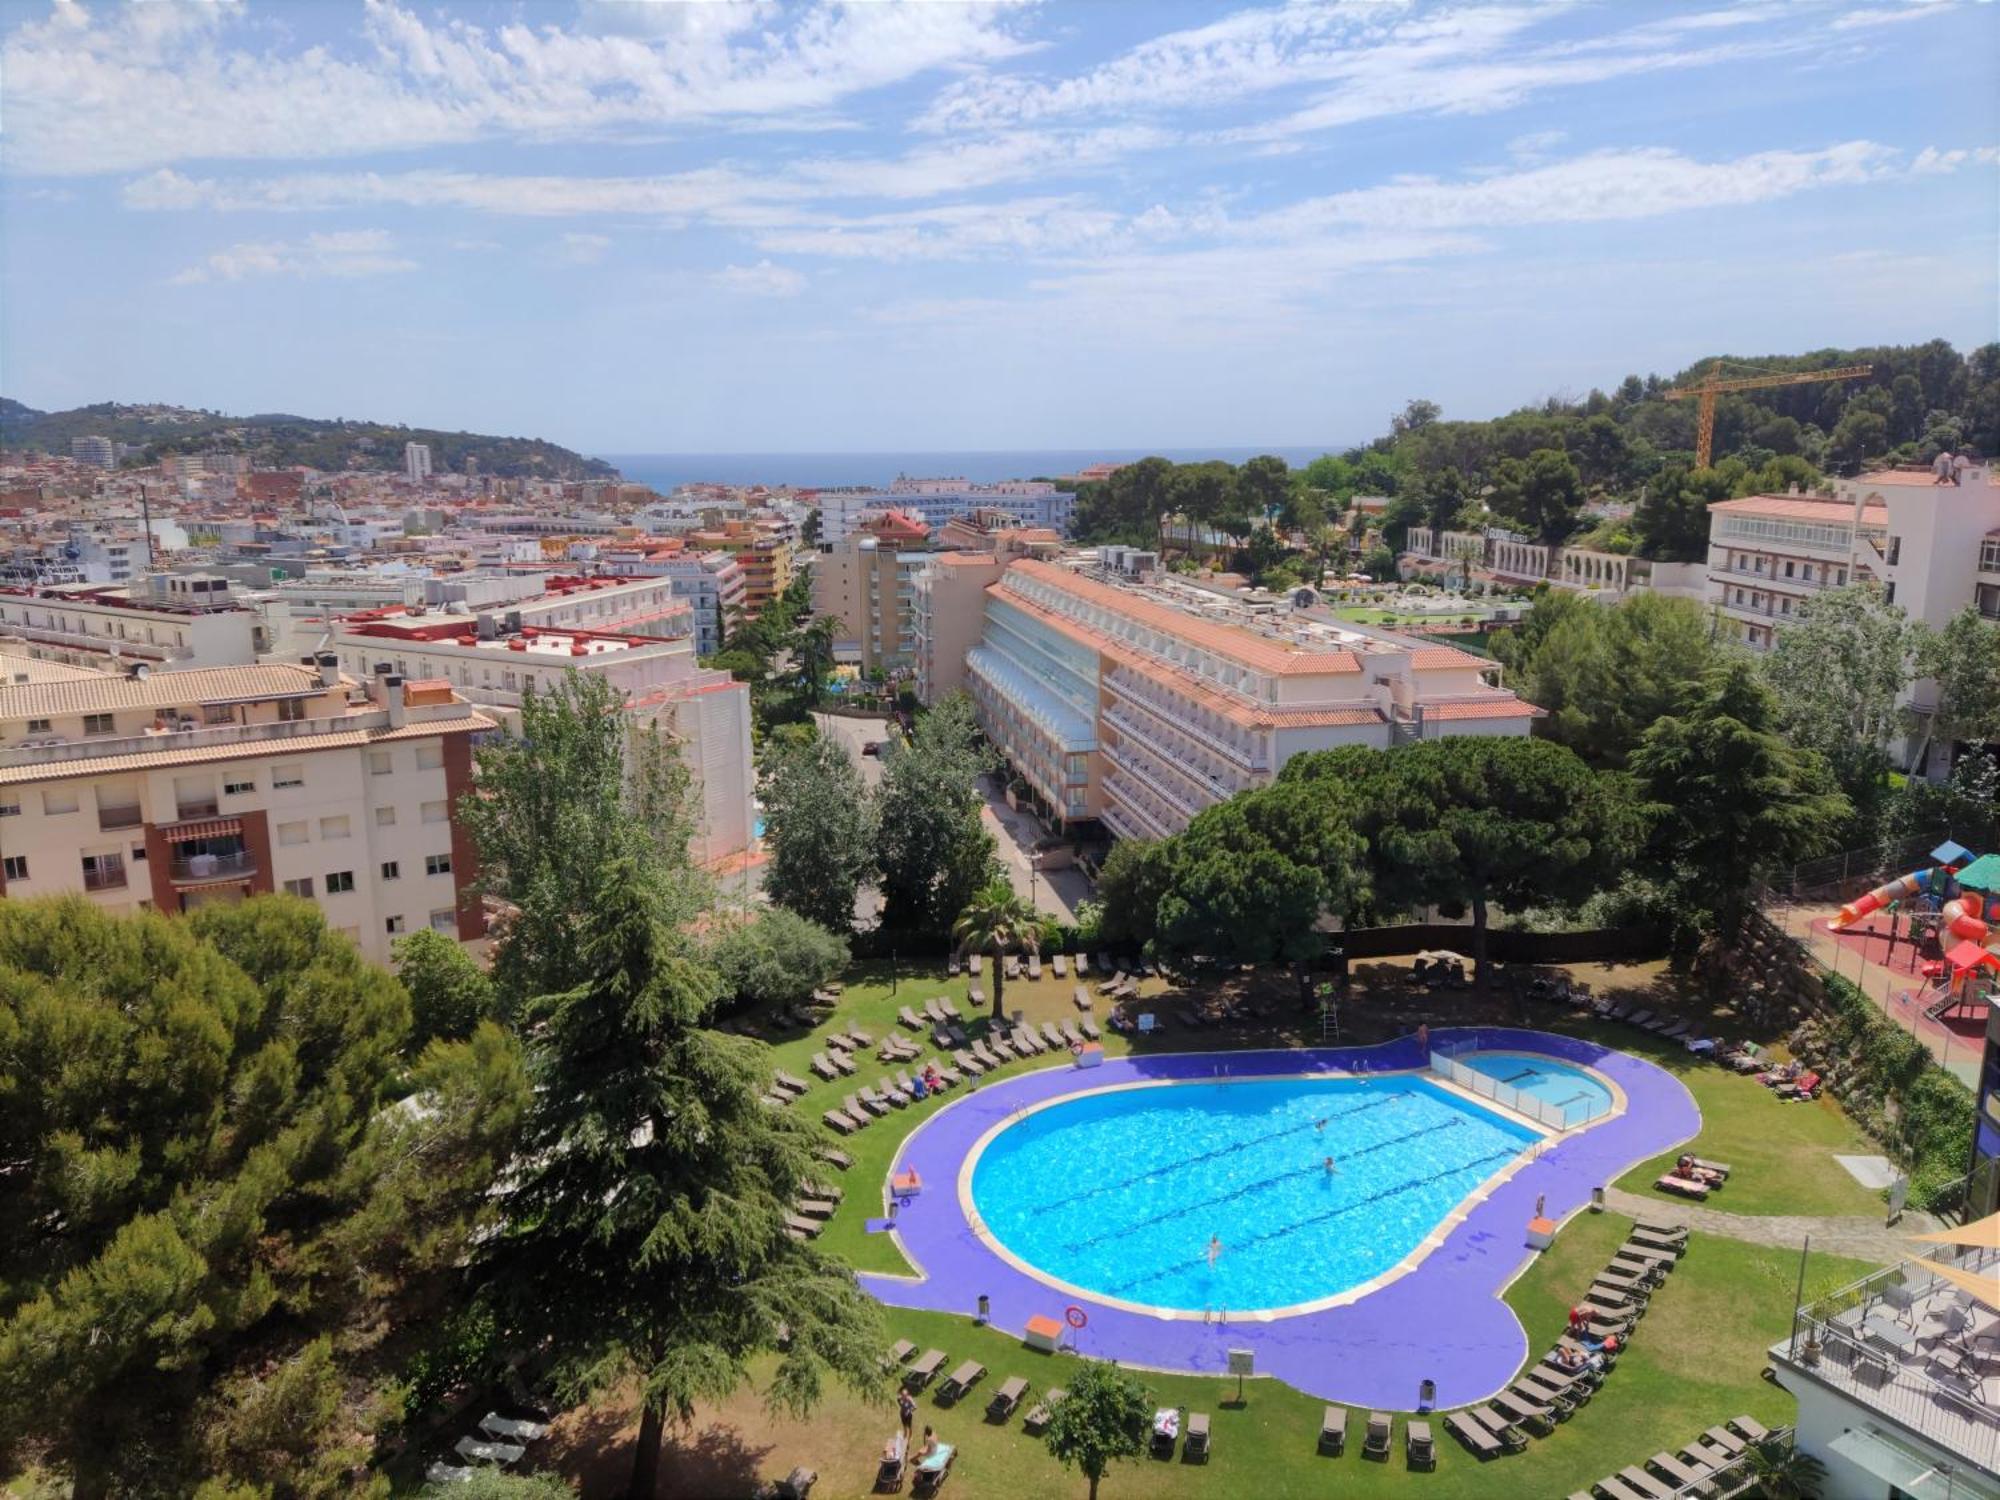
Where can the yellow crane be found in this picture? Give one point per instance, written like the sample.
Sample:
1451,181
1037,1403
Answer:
1713,384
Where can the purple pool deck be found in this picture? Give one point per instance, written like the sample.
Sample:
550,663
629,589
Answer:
1443,1321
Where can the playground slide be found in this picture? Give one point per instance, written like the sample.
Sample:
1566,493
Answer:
1965,914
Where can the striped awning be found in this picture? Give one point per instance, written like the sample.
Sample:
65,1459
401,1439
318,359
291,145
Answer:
201,828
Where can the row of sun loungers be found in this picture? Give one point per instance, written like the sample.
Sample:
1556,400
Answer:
1379,1441
1665,1474
500,1440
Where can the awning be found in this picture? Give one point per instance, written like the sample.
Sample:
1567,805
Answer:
1983,874
1985,1285
1949,853
201,828
1981,1234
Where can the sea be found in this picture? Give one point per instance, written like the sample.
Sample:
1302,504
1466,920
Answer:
667,472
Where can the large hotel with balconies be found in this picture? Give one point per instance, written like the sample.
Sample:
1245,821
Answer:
176,789
1137,701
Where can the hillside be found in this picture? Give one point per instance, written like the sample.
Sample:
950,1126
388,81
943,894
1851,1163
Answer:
282,439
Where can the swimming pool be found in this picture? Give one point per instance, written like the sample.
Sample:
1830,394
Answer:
1570,1094
1119,1192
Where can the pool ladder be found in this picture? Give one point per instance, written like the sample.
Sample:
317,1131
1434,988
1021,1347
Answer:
1217,1316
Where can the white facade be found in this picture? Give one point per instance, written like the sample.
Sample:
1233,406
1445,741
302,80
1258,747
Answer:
935,501
190,621
178,790
416,462
100,451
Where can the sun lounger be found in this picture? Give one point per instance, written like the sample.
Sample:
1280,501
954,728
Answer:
1673,1031
1053,1037
1533,1415
950,1008
836,1120
1726,1440
1719,1168
1419,1447
924,1370
1333,1430
961,1380
792,1081
1044,1410
1082,965
1034,966
838,1159
968,1063
951,967
907,1017
775,1099
1637,1018
1684,1475
1060,965
1089,1028
846,1063
1070,1035
935,1011
442,1473
1117,981
1685,1187
1195,1449
861,1038
1751,1428
900,1352
1166,1431
1024,1042
874,1102
895,1455
1002,1042
512,1429
975,964
1001,1407
886,1087
1652,1257
1380,1437
1504,1432
1642,1483
1011,966
1613,1488
903,1083
1079,997
1552,1387
800,1224
976,996
503,1454
1482,1443
822,1067
1667,1236
816,1208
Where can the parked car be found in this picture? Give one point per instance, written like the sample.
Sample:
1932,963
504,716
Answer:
873,747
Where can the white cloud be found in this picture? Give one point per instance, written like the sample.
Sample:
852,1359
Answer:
764,279
584,249
144,85
341,253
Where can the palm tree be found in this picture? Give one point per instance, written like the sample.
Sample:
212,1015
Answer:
998,922
1784,1473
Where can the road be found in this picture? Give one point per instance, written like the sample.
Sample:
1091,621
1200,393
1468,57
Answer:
852,734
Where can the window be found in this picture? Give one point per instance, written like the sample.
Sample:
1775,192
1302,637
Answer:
444,920
239,788
392,869
17,867
333,828
385,817
104,872
340,882
291,710
292,833
218,713
1789,567
300,888
393,925
380,763
437,812
437,864
11,808
292,773
38,726
430,756
59,801
99,724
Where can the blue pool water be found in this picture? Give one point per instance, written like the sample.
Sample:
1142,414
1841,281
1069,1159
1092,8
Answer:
1570,1089
1119,1192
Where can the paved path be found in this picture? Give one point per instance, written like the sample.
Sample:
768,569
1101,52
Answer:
1861,1237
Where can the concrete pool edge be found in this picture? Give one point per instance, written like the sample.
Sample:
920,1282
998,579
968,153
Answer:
1445,1320
1432,1240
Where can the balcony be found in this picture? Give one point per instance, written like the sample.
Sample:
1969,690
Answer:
197,807
1150,777
104,880
199,867
1251,759
111,819
55,751
1173,748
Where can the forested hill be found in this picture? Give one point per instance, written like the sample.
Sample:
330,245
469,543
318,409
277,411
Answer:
1614,468
281,440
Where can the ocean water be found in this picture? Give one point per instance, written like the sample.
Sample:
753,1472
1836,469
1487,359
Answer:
1120,1192
667,471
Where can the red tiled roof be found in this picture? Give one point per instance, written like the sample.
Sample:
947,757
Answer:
1508,707
1432,658
1799,508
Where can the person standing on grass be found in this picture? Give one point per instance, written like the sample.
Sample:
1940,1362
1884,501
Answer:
906,1404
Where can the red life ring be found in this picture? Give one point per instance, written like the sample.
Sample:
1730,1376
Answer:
1076,1049
1075,1316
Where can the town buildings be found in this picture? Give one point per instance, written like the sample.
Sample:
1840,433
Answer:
168,621
100,451
867,586
935,501
761,550
1135,700
416,462
175,789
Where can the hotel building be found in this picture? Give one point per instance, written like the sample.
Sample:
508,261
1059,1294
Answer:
867,585
764,556
168,621
1138,703
1033,502
176,789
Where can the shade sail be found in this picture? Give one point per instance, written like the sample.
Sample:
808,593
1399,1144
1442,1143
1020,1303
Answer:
1983,874
1981,1234
1985,1285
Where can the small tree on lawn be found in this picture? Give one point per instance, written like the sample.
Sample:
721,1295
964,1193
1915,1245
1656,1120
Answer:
1784,1473
1101,1420
997,922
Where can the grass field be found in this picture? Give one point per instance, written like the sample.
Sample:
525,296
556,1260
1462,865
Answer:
1697,1358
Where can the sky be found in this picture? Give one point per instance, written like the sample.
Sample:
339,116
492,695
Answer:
632,226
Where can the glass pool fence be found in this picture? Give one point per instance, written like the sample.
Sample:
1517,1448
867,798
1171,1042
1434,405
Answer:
1565,1114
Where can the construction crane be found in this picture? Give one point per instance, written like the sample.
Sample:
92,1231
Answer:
1712,384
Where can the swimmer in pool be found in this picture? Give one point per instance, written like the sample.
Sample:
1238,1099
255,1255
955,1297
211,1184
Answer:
1319,1124
1330,1167
1214,1249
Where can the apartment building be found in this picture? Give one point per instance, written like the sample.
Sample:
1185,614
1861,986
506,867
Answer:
764,555
172,790
712,583
416,462
1033,502
1767,554
1137,702
99,451
494,661
169,621
867,586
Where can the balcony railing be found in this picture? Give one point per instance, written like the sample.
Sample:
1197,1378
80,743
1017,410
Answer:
1150,778
199,807
188,739
110,819
104,880
1166,746
1250,760
213,866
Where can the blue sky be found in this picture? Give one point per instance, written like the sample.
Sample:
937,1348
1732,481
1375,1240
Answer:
637,226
